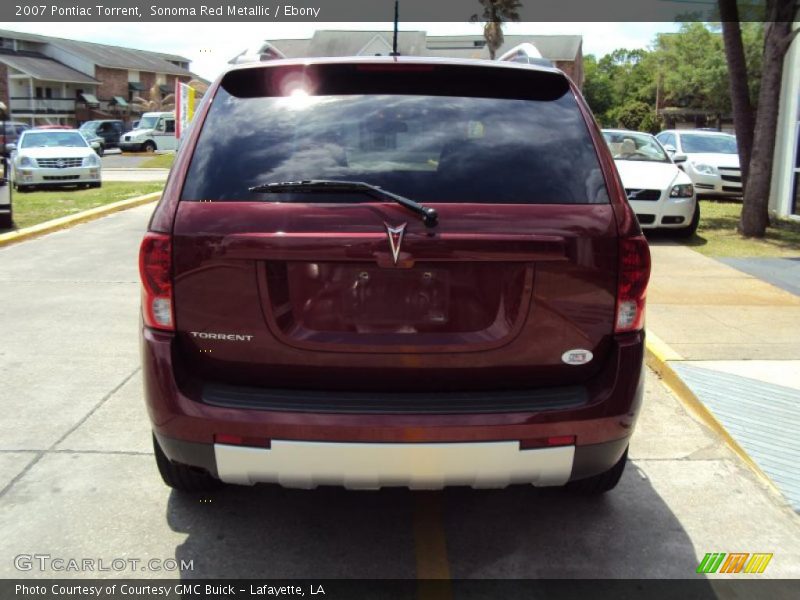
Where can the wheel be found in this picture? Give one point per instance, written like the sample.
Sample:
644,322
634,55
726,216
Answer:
601,483
24,188
183,477
95,185
691,229
6,221
100,151
149,147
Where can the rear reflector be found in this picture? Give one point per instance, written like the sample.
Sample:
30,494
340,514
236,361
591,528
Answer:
634,273
242,440
555,440
155,265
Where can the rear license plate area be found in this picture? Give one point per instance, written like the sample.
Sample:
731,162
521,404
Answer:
402,298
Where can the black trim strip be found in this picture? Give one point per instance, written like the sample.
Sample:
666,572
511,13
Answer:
546,399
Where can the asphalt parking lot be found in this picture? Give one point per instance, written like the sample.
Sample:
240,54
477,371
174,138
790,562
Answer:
78,480
113,158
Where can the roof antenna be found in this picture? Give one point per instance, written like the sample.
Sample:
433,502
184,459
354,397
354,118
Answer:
396,19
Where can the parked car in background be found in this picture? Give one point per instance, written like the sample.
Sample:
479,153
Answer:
661,194
50,158
94,141
6,209
108,132
10,132
712,159
156,131
393,271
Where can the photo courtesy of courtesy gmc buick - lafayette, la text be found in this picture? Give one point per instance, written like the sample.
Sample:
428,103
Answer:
393,271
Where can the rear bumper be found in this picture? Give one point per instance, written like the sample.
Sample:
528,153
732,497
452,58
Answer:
416,466
416,449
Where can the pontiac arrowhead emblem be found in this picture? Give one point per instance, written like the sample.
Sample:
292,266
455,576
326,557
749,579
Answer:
395,238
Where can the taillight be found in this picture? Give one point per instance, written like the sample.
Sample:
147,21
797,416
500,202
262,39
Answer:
155,263
634,273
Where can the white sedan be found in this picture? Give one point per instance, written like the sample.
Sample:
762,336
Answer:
712,160
53,157
660,193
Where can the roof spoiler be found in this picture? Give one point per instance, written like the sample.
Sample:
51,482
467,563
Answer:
526,53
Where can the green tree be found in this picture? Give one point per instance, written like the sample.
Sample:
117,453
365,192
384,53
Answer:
597,89
635,115
691,69
494,14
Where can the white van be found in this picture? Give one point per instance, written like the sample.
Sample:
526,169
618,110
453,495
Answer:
156,131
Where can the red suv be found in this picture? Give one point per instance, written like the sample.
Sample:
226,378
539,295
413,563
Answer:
393,272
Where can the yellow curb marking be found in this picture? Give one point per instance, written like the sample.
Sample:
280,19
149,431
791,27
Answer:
658,356
65,222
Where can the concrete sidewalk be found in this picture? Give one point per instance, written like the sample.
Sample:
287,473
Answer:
734,341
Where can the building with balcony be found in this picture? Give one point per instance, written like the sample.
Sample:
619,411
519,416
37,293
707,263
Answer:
54,81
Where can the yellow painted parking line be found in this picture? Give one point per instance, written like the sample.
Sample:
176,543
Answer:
65,222
433,569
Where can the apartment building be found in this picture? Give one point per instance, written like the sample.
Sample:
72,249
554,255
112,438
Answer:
49,80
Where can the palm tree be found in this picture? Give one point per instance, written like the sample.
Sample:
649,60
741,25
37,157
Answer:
155,101
495,13
159,103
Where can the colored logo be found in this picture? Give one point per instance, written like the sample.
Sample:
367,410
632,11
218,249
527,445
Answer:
578,356
735,562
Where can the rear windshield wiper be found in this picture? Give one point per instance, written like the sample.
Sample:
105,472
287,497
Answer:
429,215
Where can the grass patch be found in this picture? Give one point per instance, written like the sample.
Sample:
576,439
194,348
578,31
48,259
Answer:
717,234
159,161
32,208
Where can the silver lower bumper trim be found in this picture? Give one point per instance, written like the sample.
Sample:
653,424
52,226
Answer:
414,465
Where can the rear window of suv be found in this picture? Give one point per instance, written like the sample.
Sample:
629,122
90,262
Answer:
438,134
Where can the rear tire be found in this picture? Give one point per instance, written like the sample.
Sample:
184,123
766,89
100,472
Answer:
149,147
687,232
6,221
601,483
24,188
183,477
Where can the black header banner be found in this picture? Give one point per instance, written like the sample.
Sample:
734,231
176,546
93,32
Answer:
364,10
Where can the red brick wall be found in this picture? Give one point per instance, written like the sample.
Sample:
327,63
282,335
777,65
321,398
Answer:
573,68
113,82
147,79
4,85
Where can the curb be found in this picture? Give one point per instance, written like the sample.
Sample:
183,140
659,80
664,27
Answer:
27,233
658,355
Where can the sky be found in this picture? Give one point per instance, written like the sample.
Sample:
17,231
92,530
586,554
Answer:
211,45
